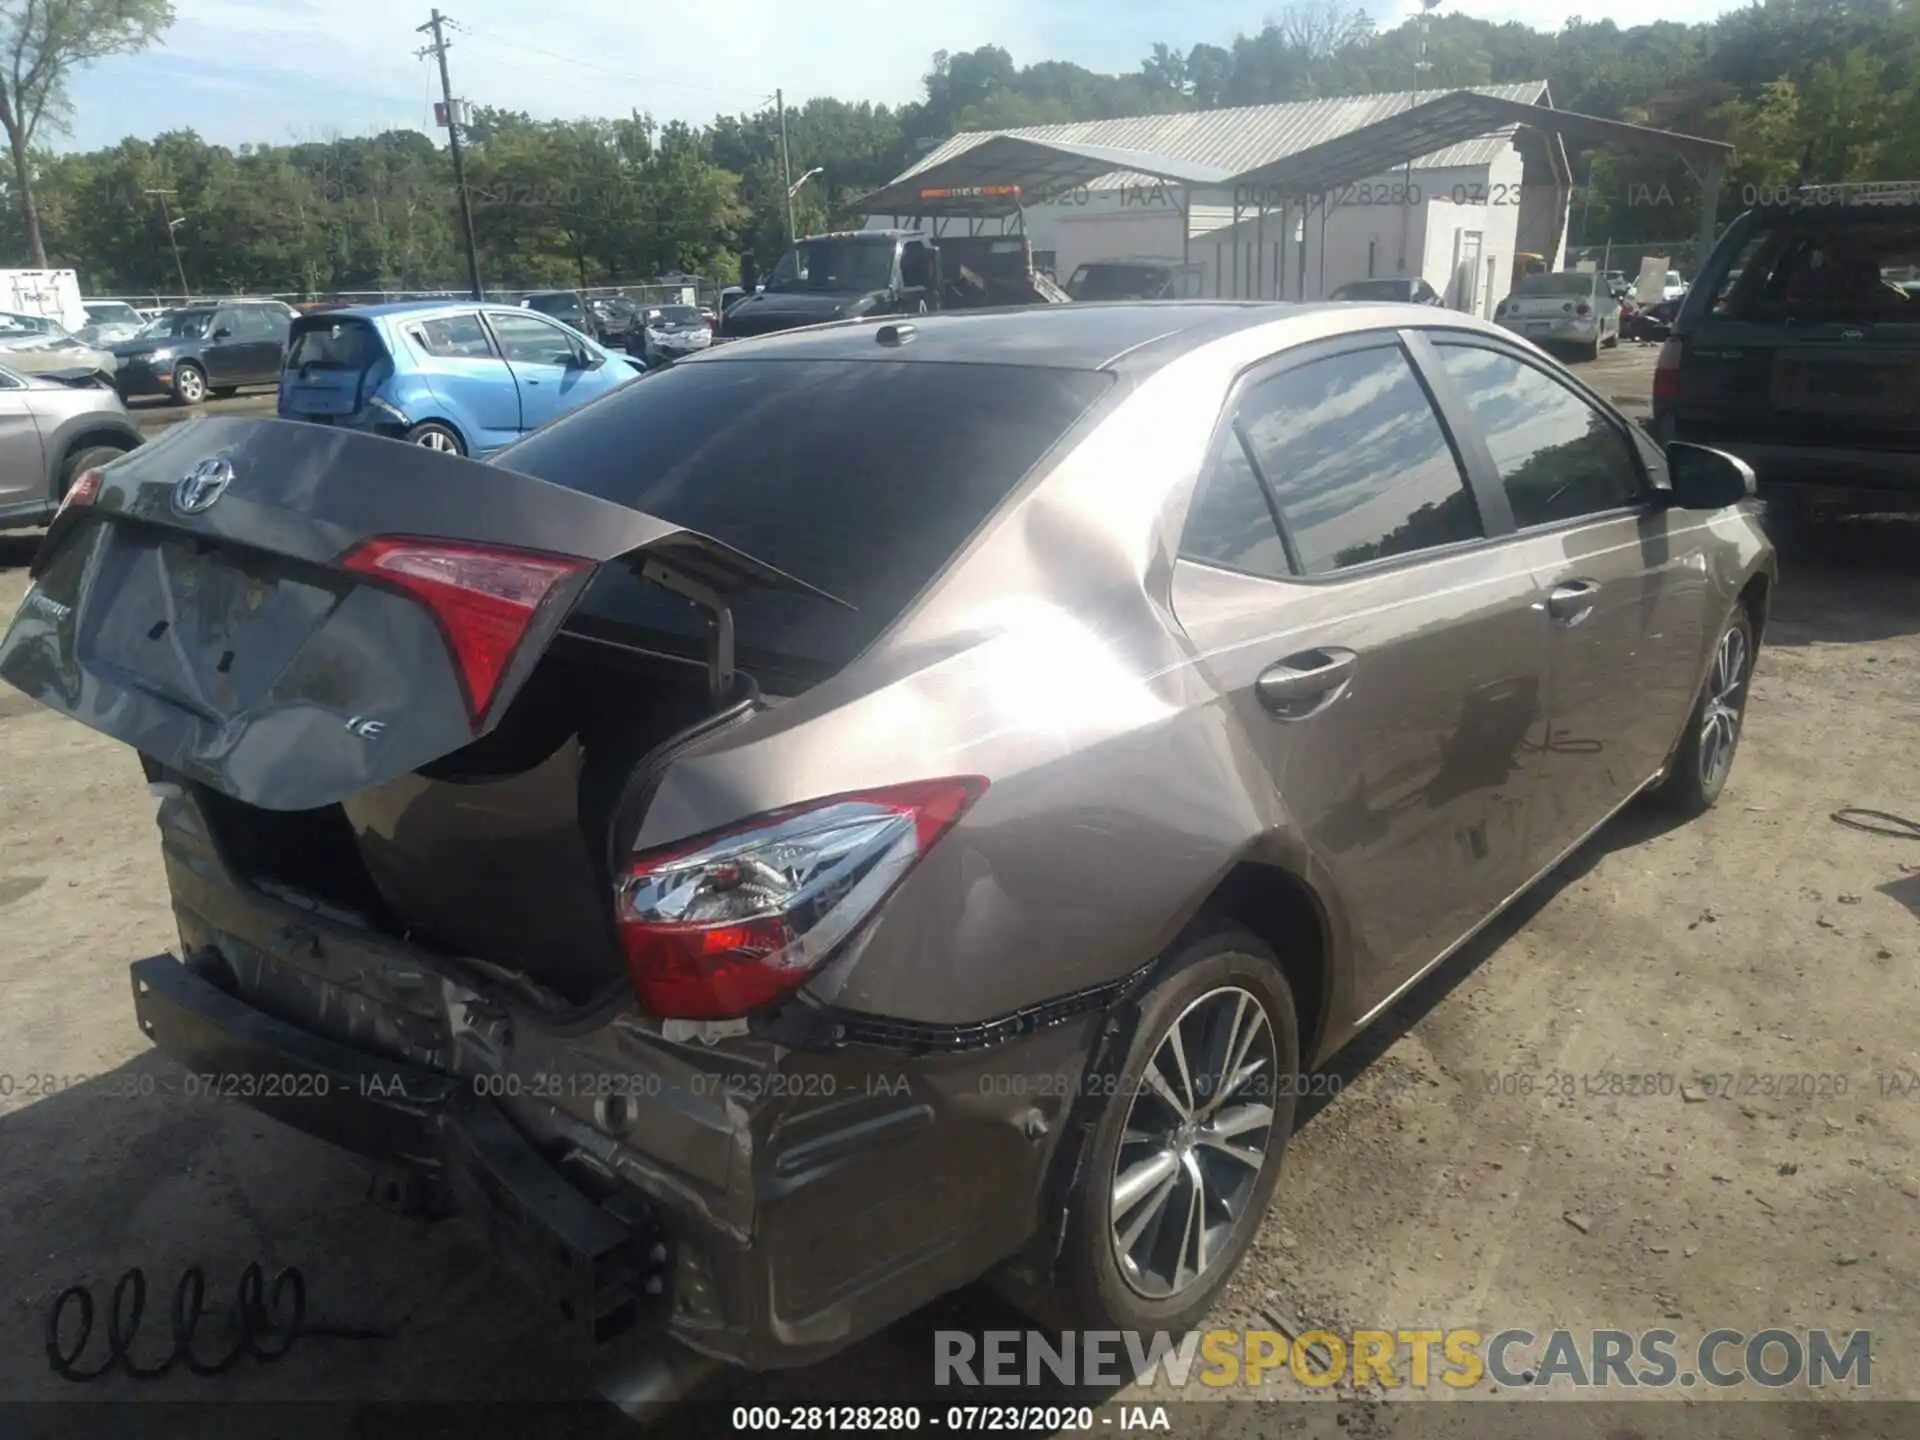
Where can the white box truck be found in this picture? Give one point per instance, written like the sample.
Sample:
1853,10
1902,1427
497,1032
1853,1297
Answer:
52,293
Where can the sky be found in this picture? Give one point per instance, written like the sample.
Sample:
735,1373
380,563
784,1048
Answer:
282,71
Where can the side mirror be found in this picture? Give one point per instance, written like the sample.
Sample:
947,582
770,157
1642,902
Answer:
1707,479
223,333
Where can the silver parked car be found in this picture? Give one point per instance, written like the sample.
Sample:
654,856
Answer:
1576,309
894,802
670,332
51,433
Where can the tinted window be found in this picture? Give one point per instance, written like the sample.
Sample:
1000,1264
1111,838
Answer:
530,340
334,345
1566,284
229,321
454,337
1808,269
1357,460
1371,290
1231,524
1558,457
860,477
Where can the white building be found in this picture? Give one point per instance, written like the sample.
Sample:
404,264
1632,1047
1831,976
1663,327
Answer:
1456,217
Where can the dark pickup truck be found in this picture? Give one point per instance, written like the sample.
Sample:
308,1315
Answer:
854,273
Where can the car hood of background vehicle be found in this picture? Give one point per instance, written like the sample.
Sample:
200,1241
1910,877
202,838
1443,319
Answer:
772,310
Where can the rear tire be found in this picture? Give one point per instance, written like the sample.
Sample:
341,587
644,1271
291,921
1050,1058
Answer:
432,435
1143,1159
1706,752
189,384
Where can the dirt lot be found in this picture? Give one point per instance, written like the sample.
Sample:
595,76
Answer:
1444,1186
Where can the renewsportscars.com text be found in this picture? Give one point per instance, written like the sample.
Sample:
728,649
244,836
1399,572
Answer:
1395,1359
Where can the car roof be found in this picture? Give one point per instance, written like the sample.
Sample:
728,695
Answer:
1085,336
409,307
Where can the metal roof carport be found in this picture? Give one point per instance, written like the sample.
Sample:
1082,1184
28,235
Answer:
1377,148
995,179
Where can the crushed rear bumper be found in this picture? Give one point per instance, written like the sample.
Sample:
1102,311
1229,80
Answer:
808,1190
603,1274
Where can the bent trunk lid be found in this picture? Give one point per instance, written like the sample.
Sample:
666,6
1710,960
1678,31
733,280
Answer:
230,644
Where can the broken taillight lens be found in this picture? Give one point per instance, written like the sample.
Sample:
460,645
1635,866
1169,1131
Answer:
746,915
84,490
484,597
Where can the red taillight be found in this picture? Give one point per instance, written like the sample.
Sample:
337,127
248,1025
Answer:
1666,372
483,597
723,925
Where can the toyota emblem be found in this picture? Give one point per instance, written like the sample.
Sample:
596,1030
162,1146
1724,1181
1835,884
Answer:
202,485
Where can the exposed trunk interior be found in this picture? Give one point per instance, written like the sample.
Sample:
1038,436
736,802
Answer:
500,852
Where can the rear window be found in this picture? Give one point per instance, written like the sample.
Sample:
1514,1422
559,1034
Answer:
1372,290
334,345
861,477
554,304
1562,284
1117,282
1809,269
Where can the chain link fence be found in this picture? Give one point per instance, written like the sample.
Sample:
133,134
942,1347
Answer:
689,289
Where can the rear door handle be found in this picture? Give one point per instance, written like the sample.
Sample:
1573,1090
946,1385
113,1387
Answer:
1571,602
1303,684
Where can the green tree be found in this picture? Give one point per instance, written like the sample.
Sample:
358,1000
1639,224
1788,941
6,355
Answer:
44,42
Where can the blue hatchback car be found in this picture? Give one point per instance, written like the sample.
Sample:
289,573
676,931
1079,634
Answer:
450,375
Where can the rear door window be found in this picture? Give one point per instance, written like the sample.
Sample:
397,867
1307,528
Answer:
454,337
860,477
1358,461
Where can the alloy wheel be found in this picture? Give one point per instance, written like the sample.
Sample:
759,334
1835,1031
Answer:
192,388
1194,1143
1720,719
439,440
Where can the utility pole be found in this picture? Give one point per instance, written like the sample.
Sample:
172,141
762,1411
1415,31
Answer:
173,239
786,164
438,49
1419,72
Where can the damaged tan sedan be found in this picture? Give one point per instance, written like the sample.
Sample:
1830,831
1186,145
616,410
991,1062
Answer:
890,804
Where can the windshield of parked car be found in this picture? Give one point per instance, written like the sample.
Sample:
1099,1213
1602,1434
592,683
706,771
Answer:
11,321
1373,290
112,314
559,305
1813,270
1567,282
799,463
843,266
180,325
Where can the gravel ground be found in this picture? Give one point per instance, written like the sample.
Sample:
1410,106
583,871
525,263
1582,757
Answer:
1448,1184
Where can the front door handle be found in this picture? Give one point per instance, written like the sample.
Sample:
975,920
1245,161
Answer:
1571,602
1303,684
